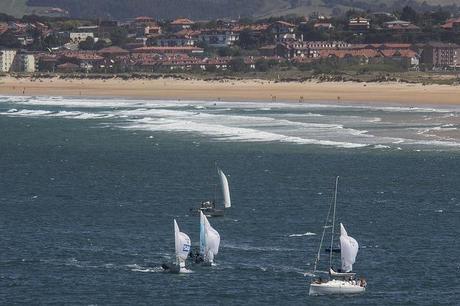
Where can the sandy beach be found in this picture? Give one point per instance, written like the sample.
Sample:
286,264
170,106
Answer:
231,90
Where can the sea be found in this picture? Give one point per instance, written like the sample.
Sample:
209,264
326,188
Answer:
89,189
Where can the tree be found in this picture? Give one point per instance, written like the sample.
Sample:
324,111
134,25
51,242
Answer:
247,40
119,36
87,44
238,65
408,14
9,40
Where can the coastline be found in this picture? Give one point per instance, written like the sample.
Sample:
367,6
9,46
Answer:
236,90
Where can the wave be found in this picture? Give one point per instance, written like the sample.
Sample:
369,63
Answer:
301,235
245,247
343,130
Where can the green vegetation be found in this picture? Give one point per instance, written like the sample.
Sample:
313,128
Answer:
16,8
211,9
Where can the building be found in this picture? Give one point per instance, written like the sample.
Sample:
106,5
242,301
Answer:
400,26
78,37
169,50
359,24
316,46
181,24
452,25
7,60
24,63
219,37
323,25
438,55
175,40
282,30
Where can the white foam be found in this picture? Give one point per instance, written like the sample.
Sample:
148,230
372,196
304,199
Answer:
301,235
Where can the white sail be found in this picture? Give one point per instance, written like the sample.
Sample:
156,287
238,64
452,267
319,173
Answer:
202,233
349,249
182,244
225,188
211,239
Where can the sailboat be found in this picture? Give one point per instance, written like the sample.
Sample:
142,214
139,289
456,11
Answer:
344,280
182,245
208,208
209,242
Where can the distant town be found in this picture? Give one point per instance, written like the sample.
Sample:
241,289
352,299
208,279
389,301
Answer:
379,41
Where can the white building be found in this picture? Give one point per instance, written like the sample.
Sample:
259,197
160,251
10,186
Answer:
6,60
77,37
219,38
25,63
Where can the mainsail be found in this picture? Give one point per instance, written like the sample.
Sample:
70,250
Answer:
182,243
202,233
209,241
225,188
349,249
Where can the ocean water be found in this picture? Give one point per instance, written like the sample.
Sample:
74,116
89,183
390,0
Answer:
89,189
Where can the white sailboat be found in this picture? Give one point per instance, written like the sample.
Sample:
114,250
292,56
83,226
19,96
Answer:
209,241
182,245
344,280
209,207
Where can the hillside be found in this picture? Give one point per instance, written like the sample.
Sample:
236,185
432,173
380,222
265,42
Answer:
204,9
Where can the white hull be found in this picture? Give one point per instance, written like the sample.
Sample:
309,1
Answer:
336,287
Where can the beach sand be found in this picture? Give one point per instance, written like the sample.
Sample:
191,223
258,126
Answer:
232,90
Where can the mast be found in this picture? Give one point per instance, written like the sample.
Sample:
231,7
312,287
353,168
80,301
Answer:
333,220
322,236
215,185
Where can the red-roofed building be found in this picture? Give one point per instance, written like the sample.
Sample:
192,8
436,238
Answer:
452,25
181,24
400,26
169,50
113,51
68,68
282,30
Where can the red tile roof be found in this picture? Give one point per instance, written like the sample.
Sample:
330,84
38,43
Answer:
182,21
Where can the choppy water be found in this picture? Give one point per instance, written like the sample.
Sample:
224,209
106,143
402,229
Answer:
89,188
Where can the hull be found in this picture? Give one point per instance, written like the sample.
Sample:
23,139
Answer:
336,287
171,267
208,212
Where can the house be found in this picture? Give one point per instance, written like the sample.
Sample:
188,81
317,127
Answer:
361,56
359,24
400,26
219,37
290,50
437,55
179,39
144,26
7,59
113,51
282,30
316,46
85,59
323,25
169,50
78,37
452,24
181,24
24,62
269,50
67,68
407,58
